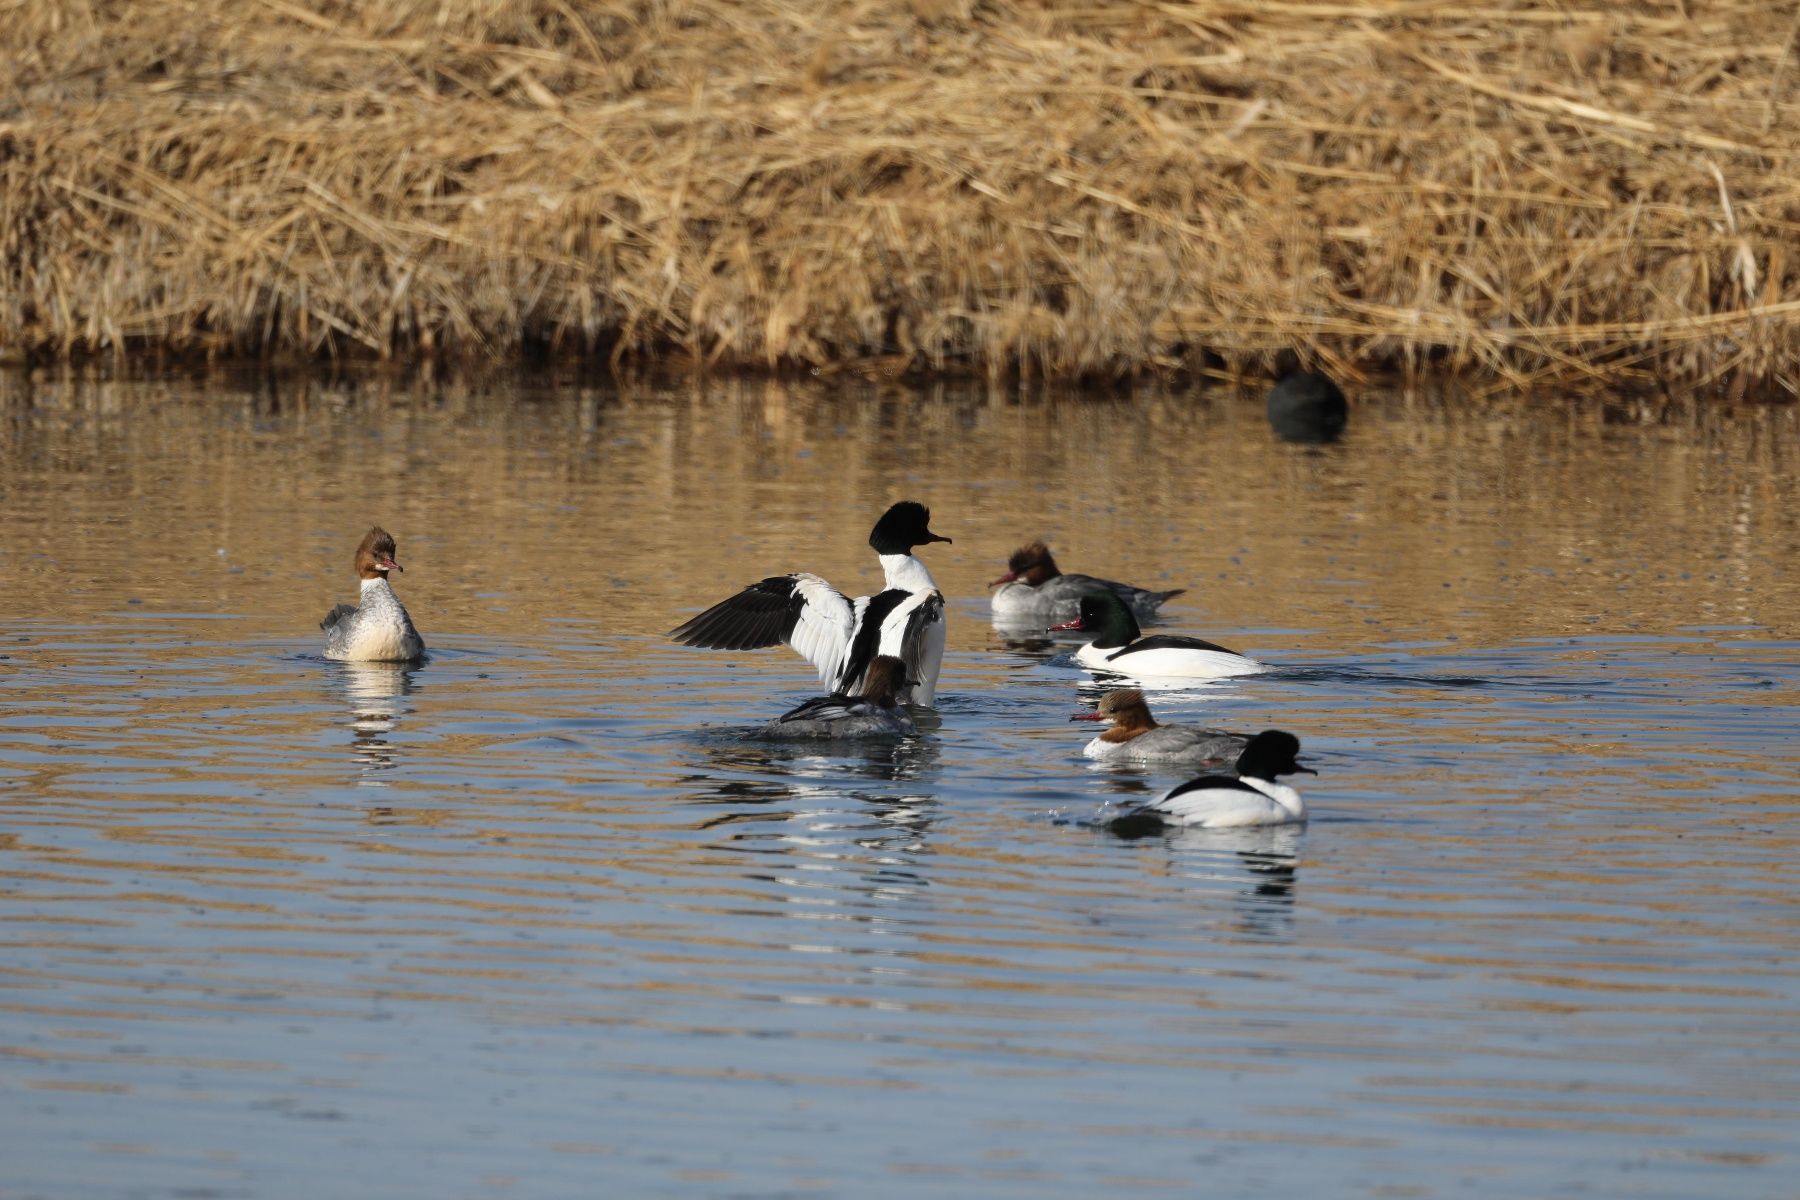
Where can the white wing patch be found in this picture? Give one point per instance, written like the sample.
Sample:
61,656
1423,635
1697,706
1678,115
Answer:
825,626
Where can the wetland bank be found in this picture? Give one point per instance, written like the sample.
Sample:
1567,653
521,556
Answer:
1596,196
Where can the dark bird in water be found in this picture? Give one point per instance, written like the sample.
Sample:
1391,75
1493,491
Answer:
876,713
1305,406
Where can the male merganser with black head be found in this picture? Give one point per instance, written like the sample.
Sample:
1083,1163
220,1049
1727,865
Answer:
1119,647
1136,737
378,629
1034,589
1224,802
1305,406
875,713
842,637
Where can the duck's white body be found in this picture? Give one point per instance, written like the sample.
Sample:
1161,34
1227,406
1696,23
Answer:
378,629
1167,658
912,620
1216,802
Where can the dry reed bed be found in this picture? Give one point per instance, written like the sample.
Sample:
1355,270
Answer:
1572,191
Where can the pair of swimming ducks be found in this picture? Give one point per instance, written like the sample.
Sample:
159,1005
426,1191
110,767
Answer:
878,653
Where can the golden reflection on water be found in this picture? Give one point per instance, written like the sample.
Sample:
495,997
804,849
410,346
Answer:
1555,813
1488,522
375,695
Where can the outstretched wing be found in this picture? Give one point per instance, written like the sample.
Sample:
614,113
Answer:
802,610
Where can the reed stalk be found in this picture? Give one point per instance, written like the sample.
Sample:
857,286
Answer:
1567,191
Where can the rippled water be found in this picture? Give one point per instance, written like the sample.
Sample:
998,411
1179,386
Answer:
533,919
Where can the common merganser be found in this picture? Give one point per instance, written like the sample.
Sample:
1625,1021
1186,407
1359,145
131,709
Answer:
1224,802
838,636
378,629
1033,588
875,713
1119,648
1136,737
1305,406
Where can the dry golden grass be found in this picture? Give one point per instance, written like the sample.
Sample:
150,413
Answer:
1576,190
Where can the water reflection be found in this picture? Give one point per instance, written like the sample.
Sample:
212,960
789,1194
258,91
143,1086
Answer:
810,826
1260,865
375,694
831,849
798,969
1027,640
898,760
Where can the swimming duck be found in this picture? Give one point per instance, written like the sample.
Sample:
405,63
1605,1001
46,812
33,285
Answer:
874,713
378,628
1252,797
1136,737
1120,648
1035,589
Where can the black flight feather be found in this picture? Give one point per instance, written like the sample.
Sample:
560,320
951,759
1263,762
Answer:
763,614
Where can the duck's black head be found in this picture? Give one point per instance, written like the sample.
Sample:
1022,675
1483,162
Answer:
1106,619
905,525
1271,753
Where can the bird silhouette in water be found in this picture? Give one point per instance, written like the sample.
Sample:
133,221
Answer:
1305,406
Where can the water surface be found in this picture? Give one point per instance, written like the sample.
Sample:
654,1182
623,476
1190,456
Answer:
534,919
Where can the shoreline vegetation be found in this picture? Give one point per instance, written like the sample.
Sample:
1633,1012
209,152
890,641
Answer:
1602,195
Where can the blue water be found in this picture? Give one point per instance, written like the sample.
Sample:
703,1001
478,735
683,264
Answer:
535,919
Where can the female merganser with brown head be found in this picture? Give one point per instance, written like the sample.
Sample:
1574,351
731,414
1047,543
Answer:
839,636
1223,802
1118,647
378,629
1136,737
874,713
1035,589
